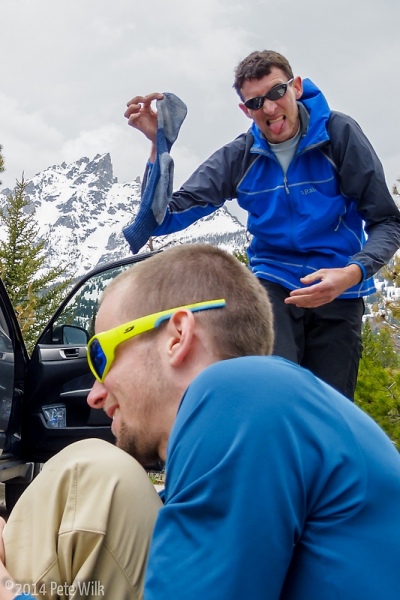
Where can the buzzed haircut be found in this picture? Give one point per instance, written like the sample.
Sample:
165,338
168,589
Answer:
195,273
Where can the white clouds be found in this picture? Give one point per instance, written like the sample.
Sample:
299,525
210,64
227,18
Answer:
69,69
28,141
90,142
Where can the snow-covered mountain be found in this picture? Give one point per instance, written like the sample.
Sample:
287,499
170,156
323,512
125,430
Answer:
81,210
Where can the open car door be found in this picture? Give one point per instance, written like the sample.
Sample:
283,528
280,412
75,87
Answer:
54,410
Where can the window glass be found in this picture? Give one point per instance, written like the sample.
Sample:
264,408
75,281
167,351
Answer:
6,372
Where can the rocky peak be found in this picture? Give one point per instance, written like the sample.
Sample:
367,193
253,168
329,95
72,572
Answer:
81,210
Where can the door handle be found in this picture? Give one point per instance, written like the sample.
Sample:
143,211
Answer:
68,353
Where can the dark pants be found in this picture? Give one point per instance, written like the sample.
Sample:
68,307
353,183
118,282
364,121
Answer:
326,340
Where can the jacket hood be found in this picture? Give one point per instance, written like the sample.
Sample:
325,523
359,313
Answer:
318,112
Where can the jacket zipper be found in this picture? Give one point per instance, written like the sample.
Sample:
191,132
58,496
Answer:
285,183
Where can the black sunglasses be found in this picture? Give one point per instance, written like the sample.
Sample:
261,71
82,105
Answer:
275,93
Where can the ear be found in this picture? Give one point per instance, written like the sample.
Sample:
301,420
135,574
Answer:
180,331
245,110
298,87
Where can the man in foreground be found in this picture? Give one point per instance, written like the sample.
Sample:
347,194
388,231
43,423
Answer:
276,486
311,183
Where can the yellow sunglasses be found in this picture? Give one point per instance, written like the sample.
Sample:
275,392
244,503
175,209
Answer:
101,347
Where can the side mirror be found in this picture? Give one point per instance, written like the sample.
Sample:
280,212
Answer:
70,335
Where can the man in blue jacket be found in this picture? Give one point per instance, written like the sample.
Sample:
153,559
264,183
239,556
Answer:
276,485
312,186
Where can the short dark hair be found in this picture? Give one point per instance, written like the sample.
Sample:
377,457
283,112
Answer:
257,65
199,272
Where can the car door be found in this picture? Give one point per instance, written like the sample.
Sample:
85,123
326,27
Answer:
13,360
14,470
58,380
6,379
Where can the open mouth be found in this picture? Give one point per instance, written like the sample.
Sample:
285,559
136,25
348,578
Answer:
276,125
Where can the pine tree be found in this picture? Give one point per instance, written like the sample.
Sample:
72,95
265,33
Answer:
395,189
35,291
378,384
392,273
1,162
241,255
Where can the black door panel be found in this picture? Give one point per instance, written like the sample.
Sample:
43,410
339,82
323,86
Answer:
56,411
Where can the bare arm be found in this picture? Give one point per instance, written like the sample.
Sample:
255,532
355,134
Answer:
142,117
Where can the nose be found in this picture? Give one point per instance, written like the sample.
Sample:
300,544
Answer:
269,106
97,395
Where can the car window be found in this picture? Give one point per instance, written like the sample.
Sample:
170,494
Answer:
5,341
79,315
6,372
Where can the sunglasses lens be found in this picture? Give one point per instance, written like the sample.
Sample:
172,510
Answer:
97,357
274,94
255,103
277,92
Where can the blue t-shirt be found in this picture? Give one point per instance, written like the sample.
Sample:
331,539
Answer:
276,487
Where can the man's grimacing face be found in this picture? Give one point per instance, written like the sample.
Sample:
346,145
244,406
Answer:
278,120
133,390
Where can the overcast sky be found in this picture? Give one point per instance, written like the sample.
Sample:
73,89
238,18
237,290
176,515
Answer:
68,68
